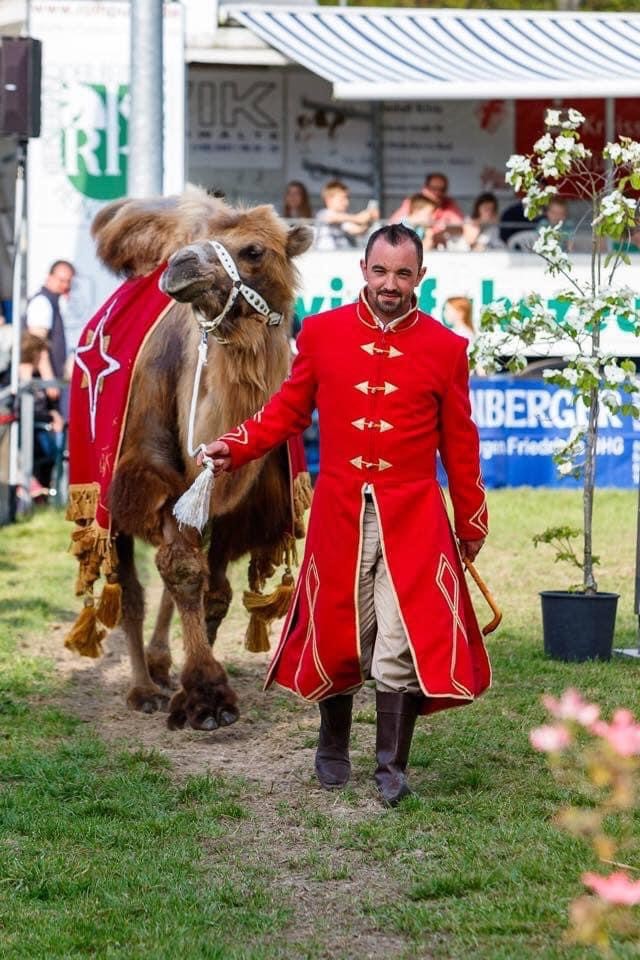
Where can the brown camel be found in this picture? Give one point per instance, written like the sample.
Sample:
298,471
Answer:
248,357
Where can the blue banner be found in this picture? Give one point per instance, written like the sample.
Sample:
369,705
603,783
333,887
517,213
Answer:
522,422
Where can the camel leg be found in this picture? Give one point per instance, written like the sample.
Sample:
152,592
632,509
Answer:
205,700
158,651
143,693
218,596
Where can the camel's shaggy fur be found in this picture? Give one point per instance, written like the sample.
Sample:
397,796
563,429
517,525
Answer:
250,508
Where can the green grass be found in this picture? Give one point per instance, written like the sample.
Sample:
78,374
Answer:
104,852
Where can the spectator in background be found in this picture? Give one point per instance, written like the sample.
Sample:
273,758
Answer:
296,204
48,425
456,315
514,220
482,231
420,218
44,316
557,215
447,212
336,227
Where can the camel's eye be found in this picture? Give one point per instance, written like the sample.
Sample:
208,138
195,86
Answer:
252,253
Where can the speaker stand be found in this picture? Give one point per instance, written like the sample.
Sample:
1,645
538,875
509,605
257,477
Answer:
16,313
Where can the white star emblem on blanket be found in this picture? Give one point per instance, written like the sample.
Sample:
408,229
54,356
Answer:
96,364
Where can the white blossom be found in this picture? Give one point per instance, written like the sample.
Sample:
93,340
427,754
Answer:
613,373
536,195
543,144
552,118
616,207
574,119
519,170
548,165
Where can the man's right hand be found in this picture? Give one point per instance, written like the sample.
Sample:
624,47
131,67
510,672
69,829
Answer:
218,450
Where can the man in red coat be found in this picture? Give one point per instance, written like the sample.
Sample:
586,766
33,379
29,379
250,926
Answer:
381,591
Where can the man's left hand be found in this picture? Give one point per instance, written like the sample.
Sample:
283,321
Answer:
469,549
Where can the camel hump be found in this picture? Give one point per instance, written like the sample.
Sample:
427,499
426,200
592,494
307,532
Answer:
134,236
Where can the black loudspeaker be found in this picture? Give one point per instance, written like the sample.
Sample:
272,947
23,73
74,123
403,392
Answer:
20,81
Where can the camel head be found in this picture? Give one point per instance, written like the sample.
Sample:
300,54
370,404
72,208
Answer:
241,272
234,266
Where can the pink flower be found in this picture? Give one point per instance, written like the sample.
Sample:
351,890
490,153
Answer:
615,888
622,734
550,738
571,706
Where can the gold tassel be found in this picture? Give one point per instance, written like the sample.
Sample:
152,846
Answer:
85,636
263,609
302,497
83,501
110,604
257,636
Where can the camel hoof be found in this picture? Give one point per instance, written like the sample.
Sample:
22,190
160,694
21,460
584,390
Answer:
208,724
205,702
227,718
177,718
147,699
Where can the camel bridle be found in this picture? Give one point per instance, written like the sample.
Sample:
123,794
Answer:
238,288
208,327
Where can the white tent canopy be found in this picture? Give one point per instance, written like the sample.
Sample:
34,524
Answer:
409,54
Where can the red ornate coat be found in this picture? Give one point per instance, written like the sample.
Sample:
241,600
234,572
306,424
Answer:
387,400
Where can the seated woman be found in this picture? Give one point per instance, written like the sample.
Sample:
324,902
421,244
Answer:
296,204
482,231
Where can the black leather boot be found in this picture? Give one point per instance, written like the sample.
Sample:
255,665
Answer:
396,719
332,756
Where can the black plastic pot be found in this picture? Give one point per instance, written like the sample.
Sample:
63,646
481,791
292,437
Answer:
577,626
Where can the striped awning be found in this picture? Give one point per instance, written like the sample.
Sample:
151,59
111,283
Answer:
409,54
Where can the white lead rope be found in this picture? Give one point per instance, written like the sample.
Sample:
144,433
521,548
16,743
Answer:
192,509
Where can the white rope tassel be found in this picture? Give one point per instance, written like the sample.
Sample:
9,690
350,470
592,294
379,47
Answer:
192,509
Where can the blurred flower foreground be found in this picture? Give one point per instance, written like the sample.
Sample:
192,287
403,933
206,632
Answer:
599,761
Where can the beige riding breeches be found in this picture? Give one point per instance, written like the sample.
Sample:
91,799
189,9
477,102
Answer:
384,650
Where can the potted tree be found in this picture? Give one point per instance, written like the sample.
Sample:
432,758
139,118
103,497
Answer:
578,623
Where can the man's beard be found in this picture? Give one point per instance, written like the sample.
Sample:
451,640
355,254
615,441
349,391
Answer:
389,306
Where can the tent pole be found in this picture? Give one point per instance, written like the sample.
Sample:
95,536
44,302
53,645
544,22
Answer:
377,164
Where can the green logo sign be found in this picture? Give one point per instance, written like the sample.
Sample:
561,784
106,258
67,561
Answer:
94,138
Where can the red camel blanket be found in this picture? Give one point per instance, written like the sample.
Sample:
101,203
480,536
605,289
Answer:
100,389
103,371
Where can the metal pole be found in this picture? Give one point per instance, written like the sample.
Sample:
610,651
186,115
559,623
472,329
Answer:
377,140
146,115
16,304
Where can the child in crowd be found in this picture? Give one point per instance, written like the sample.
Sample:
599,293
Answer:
336,227
420,218
456,315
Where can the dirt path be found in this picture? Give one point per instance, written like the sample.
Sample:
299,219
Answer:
271,747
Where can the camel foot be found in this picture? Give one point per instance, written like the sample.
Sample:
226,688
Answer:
147,699
203,702
160,672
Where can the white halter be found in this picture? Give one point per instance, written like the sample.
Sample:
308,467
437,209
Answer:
252,297
273,318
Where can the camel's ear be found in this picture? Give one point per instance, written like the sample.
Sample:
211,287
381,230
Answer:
299,239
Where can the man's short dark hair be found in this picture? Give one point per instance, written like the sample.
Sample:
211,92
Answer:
395,234
61,263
